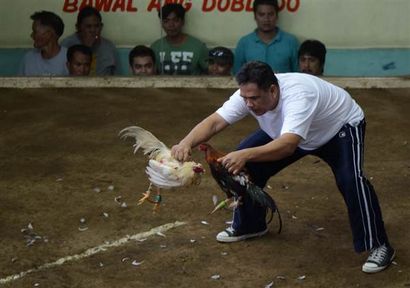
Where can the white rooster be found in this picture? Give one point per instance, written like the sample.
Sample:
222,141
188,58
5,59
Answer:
163,170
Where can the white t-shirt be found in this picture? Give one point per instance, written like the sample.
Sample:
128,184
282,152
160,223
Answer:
35,65
308,106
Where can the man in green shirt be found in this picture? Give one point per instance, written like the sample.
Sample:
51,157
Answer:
178,53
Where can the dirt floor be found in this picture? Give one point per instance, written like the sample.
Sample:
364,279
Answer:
61,160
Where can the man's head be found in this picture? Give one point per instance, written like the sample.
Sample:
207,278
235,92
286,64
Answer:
89,24
258,87
142,60
47,27
220,61
79,60
312,56
266,14
172,18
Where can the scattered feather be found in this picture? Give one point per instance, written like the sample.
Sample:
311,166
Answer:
394,263
136,263
216,277
320,229
101,264
162,246
215,199
125,259
302,277
105,214
269,285
294,217
268,186
124,205
110,188
204,222
118,199
281,277
82,229
192,240
224,253
97,190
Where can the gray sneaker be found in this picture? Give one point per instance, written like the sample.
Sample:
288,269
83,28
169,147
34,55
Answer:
379,259
230,235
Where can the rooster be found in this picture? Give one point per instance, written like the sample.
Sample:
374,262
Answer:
236,186
164,171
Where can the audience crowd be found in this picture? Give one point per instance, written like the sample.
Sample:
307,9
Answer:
87,52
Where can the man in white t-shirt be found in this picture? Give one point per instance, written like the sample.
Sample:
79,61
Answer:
299,114
47,58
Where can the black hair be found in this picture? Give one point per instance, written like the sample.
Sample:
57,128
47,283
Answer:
257,72
87,11
314,48
221,55
49,19
78,48
273,3
167,9
141,51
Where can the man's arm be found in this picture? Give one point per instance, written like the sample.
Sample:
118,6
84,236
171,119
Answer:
202,132
277,149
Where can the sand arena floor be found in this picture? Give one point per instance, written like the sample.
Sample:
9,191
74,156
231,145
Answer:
57,146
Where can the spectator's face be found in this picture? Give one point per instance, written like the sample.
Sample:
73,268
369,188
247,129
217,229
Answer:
266,18
143,65
40,34
172,25
218,69
80,65
90,28
310,64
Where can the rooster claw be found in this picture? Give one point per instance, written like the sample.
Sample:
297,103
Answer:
142,200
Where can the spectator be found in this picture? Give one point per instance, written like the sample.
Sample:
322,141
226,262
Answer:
312,56
220,61
47,58
89,26
181,54
79,60
268,43
142,60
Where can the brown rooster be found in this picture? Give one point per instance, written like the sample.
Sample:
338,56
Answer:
164,171
236,186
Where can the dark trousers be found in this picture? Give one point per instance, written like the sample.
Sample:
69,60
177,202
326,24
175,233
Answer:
344,154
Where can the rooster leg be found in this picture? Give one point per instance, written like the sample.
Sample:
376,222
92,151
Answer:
146,195
221,204
157,201
236,203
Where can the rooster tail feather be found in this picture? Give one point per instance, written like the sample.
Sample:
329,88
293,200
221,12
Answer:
143,139
264,199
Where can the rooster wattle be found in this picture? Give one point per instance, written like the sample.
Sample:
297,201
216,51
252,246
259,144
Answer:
164,171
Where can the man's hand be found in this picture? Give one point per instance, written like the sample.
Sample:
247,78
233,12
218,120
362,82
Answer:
181,152
234,161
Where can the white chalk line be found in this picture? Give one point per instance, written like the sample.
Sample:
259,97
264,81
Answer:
93,251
